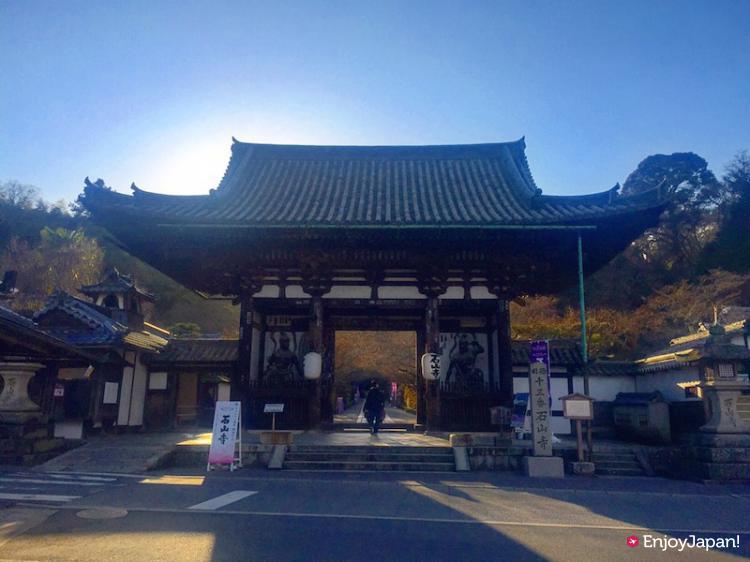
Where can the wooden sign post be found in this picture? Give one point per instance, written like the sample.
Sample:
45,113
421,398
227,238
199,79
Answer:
273,409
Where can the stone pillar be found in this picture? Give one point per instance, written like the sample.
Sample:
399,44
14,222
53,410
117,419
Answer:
15,405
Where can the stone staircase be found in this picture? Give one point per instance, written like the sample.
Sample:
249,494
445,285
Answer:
370,458
617,463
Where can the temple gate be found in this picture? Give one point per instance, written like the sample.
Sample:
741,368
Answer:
308,240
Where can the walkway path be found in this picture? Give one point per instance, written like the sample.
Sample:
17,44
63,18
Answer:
124,453
355,414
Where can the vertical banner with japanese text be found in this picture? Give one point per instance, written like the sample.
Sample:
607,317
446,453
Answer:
224,437
539,397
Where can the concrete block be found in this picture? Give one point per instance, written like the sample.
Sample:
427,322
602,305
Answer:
276,437
543,467
461,457
276,462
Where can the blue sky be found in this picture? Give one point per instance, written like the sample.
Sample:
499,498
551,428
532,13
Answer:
152,91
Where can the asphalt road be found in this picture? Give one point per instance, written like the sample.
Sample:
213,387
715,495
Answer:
259,515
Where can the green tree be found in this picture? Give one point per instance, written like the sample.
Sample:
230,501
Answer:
731,248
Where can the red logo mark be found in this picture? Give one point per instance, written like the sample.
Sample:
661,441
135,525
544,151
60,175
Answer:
632,541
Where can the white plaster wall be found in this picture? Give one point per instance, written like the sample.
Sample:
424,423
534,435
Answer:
399,293
481,292
268,292
349,292
666,383
453,293
605,389
296,292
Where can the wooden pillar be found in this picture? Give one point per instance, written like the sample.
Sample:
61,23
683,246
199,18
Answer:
241,378
432,284
432,345
316,340
505,354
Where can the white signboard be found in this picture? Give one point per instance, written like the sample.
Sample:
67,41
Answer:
225,434
110,392
157,381
580,409
273,408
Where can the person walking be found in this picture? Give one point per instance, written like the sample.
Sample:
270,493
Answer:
374,407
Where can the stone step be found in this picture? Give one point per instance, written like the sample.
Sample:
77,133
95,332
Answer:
617,464
371,456
400,427
371,466
614,456
369,448
619,471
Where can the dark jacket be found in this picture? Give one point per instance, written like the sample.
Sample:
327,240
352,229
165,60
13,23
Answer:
375,400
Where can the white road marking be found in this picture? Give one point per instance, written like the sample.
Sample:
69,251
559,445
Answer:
222,500
493,522
115,474
78,477
54,482
38,497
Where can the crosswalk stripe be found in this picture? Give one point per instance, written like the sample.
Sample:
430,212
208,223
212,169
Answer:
222,500
53,482
84,478
70,477
38,497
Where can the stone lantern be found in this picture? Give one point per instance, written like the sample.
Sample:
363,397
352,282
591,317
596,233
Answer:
724,383
15,405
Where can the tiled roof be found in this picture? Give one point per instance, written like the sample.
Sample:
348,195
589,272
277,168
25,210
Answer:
452,185
562,352
12,323
218,351
97,329
605,368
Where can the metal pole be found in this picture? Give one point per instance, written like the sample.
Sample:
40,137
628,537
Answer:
584,343
582,305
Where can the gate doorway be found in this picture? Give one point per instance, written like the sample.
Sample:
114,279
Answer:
388,357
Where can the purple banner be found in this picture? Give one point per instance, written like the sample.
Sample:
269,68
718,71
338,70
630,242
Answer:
540,353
